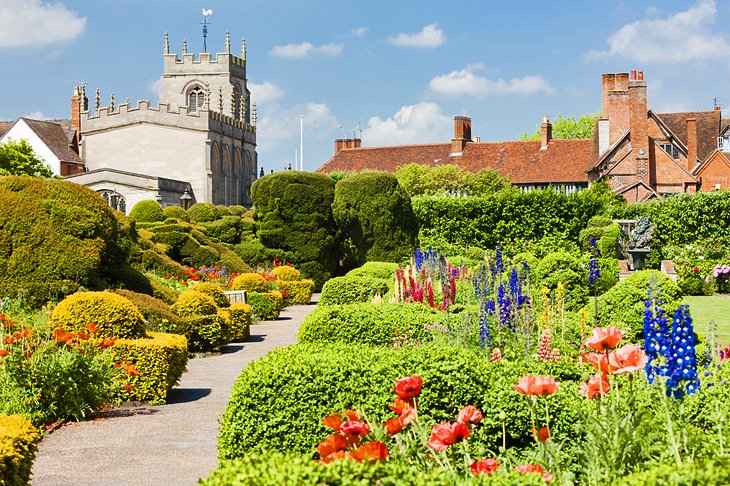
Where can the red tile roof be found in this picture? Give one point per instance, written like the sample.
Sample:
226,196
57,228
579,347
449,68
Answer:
5,126
708,128
57,135
562,161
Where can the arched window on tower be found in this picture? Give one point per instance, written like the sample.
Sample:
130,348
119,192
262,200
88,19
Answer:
236,102
196,99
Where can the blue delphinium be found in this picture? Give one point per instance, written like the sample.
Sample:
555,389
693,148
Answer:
498,260
485,335
505,308
682,361
657,342
418,258
594,268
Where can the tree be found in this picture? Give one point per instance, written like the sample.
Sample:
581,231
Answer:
421,179
568,127
18,158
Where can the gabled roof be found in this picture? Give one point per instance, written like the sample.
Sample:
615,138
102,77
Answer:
708,128
650,192
5,126
57,135
524,161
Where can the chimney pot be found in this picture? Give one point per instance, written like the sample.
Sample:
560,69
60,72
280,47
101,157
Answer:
641,75
717,108
633,74
546,133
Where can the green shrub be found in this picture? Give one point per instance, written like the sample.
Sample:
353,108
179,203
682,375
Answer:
160,263
299,292
162,292
265,305
383,270
231,261
279,401
294,214
715,471
285,272
562,267
239,317
599,221
374,213
200,256
237,210
228,229
161,359
207,333
623,305
608,242
348,290
114,315
250,282
18,445
192,303
175,212
255,252
366,323
214,291
221,211
38,294
158,314
202,213
275,469
316,272
147,211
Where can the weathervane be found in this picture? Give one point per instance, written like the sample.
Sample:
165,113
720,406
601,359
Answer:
206,13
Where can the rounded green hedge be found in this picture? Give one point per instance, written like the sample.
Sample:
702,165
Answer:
368,324
562,267
147,211
265,305
192,303
383,270
114,315
215,292
175,212
202,213
157,313
348,290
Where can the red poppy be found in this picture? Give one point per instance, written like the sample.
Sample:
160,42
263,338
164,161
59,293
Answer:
627,359
92,328
445,434
131,370
542,435
470,415
4,352
372,451
9,340
335,456
354,427
333,443
128,387
167,277
392,426
408,387
536,385
604,338
599,361
401,406
83,336
597,385
332,421
485,466
534,468
106,343
185,283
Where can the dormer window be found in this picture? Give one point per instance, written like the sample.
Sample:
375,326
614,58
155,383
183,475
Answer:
670,149
723,143
196,99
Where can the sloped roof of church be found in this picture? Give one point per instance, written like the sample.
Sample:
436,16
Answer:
708,128
57,135
524,161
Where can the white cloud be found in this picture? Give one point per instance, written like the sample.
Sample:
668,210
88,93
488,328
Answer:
359,32
430,36
37,115
306,49
467,82
36,23
420,123
155,86
681,37
266,91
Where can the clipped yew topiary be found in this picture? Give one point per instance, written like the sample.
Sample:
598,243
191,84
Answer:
285,272
202,213
212,290
147,211
18,444
114,315
250,282
265,305
299,292
175,212
158,314
348,290
239,316
384,270
374,212
192,303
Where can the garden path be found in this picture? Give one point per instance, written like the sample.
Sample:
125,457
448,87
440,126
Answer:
157,445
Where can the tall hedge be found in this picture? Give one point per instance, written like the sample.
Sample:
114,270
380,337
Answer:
509,216
294,214
374,213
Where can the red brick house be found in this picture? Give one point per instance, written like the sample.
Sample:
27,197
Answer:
643,154
529,164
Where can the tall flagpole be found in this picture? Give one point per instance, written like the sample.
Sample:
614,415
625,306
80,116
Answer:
301,142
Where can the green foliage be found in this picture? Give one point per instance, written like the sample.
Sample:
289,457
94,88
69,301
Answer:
716,471
509,217
237,210
294,214
286,273
255,252
18,158
250,282
175,212
299,292
382,270
214,291
158,314
623,305
18,445
147,211
375,215
38,294
265,305
366,323
275,469
114,315
192,303
348,290
202,213
421,179
239,316
562,267
207,333
316,272
160,263
227,230
161,359
568,127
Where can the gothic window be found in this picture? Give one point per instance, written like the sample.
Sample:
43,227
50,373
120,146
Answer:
196,99
236,102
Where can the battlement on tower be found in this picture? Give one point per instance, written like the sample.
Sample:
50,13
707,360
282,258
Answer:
204,63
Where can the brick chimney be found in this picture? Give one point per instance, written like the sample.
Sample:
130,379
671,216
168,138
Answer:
347,143
546,133
616,90
691,143
608,81
638,125
462,134
79,103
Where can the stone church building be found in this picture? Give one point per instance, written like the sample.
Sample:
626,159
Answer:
200,138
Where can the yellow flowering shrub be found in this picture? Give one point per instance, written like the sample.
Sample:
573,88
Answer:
250,282
285,272
214,291
192,303
18,445
299,292
114,315
239,318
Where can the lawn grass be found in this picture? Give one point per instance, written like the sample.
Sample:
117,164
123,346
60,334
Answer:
711,308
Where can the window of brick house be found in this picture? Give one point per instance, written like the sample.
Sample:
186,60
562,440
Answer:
723,142
670,149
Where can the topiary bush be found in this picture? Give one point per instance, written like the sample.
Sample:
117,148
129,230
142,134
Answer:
299,292
366,323
161,359
250,282
192,303
316,272
384,270
114,315
202,213
562,267
255,252
147,211
158,314
265,305
239,317
207,333
18,445
227,230
38,294
348,290
286,273
374,213
212,290
175,212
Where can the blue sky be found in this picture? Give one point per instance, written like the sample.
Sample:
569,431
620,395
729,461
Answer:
400,70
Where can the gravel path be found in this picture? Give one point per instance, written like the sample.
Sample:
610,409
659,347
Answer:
158,445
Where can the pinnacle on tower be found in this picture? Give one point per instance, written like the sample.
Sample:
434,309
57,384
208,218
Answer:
185,46
243,48
228,42
220,100
112,104
253,114
167,44
97,100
